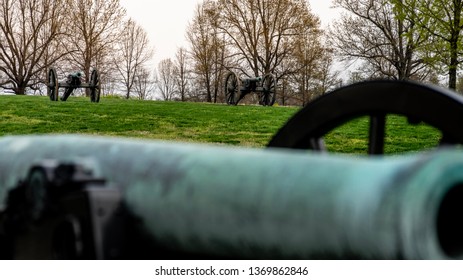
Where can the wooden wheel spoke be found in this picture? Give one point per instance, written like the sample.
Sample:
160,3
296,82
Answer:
317,144
377,134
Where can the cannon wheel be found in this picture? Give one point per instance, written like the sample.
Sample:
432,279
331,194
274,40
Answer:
232,88
269,94
438,107
95,86
53,86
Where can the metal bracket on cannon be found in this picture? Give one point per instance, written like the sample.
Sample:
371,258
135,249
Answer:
62,211
53,85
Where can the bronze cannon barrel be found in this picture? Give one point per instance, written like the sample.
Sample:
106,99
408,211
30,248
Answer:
269,203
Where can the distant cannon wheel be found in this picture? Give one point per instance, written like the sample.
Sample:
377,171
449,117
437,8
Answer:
232,89
437,107
52,87
95,87
269,90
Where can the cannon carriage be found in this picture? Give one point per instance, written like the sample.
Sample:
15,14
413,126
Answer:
236,88
53,85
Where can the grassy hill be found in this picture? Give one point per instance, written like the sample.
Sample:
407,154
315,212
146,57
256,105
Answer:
251,126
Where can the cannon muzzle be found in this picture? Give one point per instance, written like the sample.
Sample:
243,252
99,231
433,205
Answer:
225,202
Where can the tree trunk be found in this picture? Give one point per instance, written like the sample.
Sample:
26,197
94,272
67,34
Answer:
20,90
453,67
453,63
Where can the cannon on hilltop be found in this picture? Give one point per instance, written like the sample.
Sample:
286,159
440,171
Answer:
53,85
236,88
81,197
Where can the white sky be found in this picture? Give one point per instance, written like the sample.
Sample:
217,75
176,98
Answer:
165,21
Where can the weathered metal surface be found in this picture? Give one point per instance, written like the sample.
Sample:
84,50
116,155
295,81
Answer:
249,203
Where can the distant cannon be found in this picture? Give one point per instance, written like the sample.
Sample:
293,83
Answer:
54,85
236,88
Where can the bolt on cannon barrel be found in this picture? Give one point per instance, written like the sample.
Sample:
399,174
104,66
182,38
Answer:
272,204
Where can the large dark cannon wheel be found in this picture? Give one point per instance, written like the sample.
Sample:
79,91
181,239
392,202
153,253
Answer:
52,85
269,90
437,107
232,88
95,87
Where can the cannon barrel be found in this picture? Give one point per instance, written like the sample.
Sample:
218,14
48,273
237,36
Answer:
255,79
273,203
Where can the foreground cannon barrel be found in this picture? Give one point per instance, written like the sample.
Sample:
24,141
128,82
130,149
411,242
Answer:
272,204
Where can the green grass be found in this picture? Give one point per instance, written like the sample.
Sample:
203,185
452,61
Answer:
401,137
196,122
251,126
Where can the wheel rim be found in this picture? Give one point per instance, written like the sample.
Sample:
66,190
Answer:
434,106
52,87
95,86
269,94
231,88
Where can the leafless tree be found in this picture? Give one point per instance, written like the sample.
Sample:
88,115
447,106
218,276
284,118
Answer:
207,48
305,64
135,52
143,84
182,73
262,31
109,85
29,41
94,33
165,80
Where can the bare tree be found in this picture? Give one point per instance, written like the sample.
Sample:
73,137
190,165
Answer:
29,32
377,33
328,77
135,52
305,66
109,86
207,48
262,31
182,73
143,84
94,33
165,80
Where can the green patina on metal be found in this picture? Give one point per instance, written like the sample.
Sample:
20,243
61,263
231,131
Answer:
272,203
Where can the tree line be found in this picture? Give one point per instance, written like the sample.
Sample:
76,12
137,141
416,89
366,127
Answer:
68,35
389,39
401,39
250,38
395,39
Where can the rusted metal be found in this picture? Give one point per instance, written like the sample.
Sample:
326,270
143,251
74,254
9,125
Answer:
273,203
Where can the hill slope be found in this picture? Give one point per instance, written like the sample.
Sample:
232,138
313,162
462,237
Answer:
251,126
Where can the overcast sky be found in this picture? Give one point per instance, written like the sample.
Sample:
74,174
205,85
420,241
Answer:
166,21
